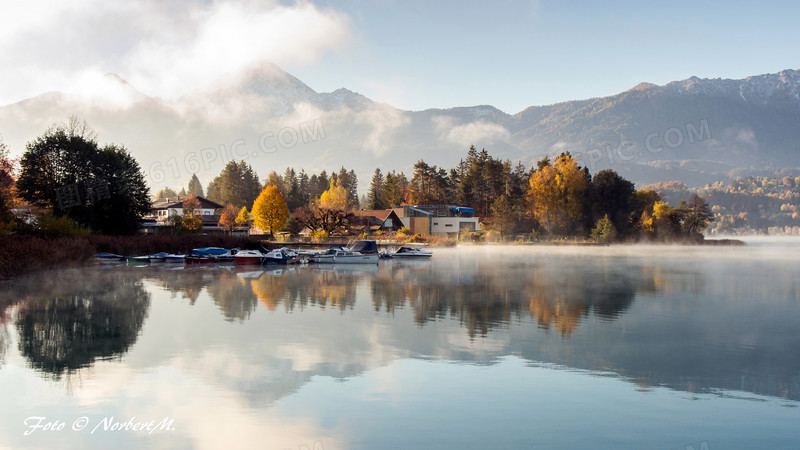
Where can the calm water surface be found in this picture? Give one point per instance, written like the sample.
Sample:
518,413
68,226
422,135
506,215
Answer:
621,347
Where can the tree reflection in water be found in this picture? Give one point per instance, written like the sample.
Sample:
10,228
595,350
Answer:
492,295
95,316
233,296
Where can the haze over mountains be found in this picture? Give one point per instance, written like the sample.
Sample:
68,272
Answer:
695,130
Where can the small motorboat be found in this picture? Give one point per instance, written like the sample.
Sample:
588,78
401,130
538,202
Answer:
108,257
138,260
173,258
250,257
198,259
158,257
346,257
280,256
412,252
218,253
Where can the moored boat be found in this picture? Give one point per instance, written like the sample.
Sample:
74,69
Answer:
158,257
138,259
108,257
173,258
411,252
250,257
346,257
280,256
198,259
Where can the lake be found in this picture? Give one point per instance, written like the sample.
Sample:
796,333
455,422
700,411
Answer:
662,347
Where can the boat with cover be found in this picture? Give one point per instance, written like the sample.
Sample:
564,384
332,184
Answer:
249,257
360,252
411,253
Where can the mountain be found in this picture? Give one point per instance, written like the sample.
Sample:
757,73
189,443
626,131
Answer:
695,130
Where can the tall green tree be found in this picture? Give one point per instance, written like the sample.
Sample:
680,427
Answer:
195,188
67,171
237,184
376,199
613,196
697,216
7,182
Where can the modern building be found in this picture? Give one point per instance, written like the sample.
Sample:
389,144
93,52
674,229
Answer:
438,220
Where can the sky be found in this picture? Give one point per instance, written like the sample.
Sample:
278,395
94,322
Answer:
411,54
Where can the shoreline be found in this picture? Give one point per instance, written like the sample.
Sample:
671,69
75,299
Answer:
22,255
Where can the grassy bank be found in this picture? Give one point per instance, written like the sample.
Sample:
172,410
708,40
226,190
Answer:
21,254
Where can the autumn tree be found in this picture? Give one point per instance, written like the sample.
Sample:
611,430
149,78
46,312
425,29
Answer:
195,188
227,220
269,210
556,193
243,219
191,219
336,197
7,169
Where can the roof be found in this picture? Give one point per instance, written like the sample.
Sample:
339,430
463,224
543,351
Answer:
381,214
178,203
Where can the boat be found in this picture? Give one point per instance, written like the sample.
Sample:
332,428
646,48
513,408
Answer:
218,253
412,252
138,259
108,257
359,252
252,257
345,257
280,256
199,259
158,257
173,258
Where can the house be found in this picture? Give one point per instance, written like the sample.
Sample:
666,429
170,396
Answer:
161,211
438,220
374,220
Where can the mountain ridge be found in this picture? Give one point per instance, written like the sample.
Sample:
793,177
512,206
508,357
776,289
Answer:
722,125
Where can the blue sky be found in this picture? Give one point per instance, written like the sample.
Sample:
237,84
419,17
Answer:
411,54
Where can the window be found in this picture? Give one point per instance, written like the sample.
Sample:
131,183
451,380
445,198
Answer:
448,224
388,223
435,223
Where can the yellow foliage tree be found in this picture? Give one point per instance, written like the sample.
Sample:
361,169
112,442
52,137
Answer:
556,192
269,210
243,219
334,198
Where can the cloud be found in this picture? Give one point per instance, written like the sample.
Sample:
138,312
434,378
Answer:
478,133
163,48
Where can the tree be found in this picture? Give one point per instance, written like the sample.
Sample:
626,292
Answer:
166,193
604,230
556,193
7,185
227,219
325,220
191,221
376,198
66,171
269,210
237,184
336,197
243,219
503,217
697,216
195,188
612,195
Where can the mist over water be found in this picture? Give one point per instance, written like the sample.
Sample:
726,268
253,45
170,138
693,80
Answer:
483,346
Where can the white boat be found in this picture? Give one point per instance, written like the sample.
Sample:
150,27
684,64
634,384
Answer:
412,253
280,256
249,257
345,257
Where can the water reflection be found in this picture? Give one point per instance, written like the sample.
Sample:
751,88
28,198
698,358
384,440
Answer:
679,323
92,317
